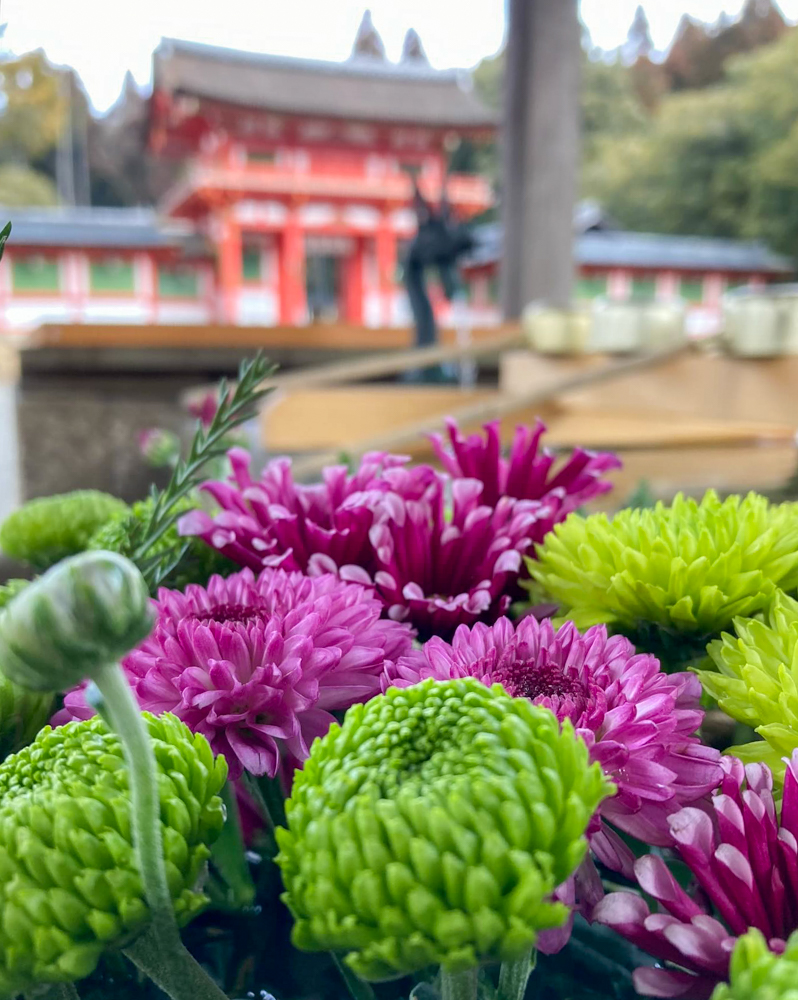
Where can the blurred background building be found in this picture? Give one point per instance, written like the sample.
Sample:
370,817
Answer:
259,190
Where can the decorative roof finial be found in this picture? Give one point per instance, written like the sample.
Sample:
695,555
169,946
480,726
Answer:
412,49
367,41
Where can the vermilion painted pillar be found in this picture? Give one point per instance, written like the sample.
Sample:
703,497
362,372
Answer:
147,275
292,273
386,267
354,284
230,268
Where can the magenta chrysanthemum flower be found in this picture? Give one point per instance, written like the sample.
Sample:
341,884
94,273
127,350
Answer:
638,721
744,859
318,528
440,572
257,664
526,473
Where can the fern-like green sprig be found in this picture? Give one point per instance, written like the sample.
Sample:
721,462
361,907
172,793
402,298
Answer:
208,444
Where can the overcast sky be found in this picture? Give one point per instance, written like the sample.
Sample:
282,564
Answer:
104,38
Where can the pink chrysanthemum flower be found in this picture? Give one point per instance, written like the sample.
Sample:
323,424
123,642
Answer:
257,664
638,722
440,571
744,859
527,473
319,528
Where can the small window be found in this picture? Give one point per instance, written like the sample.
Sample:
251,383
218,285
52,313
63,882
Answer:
693,291
591,286
112,274
251,265
35,274
411,168
643,289
177,282
261,158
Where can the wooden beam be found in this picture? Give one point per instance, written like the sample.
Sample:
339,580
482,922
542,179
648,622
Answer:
478,413
341,337
384,365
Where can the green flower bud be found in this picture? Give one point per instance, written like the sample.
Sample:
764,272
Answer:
69,885
80,616
45,530
432,827
758,974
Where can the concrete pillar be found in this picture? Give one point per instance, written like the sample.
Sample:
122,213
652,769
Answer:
540,152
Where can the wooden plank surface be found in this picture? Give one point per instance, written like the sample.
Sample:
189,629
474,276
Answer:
333,336
495,407
629,430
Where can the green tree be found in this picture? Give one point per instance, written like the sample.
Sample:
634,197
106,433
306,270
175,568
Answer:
610,106
716,161
32,107
22,185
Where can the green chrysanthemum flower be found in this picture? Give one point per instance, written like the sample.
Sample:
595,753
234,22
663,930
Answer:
69,885
10,589
22,715
676,574
432,827
22,712
759,974
198,564
46,530
757,680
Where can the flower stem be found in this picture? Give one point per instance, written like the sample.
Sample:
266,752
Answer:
229,854
145,813
358,989
514,976
272,794
172,969
459,985
252,786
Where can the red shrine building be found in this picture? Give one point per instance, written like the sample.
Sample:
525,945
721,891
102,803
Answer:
295,204
295,201
299,172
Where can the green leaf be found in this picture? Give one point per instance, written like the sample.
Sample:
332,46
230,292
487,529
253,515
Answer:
5,232
228,855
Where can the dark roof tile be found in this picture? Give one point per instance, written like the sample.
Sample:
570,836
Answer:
120,228
361,89
655,251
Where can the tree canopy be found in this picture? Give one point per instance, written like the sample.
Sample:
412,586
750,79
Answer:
718,160
703,141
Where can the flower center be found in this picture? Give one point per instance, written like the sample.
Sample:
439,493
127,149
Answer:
244,614
566,693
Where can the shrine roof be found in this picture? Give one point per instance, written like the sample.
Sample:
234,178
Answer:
120,228
653,251
362,88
